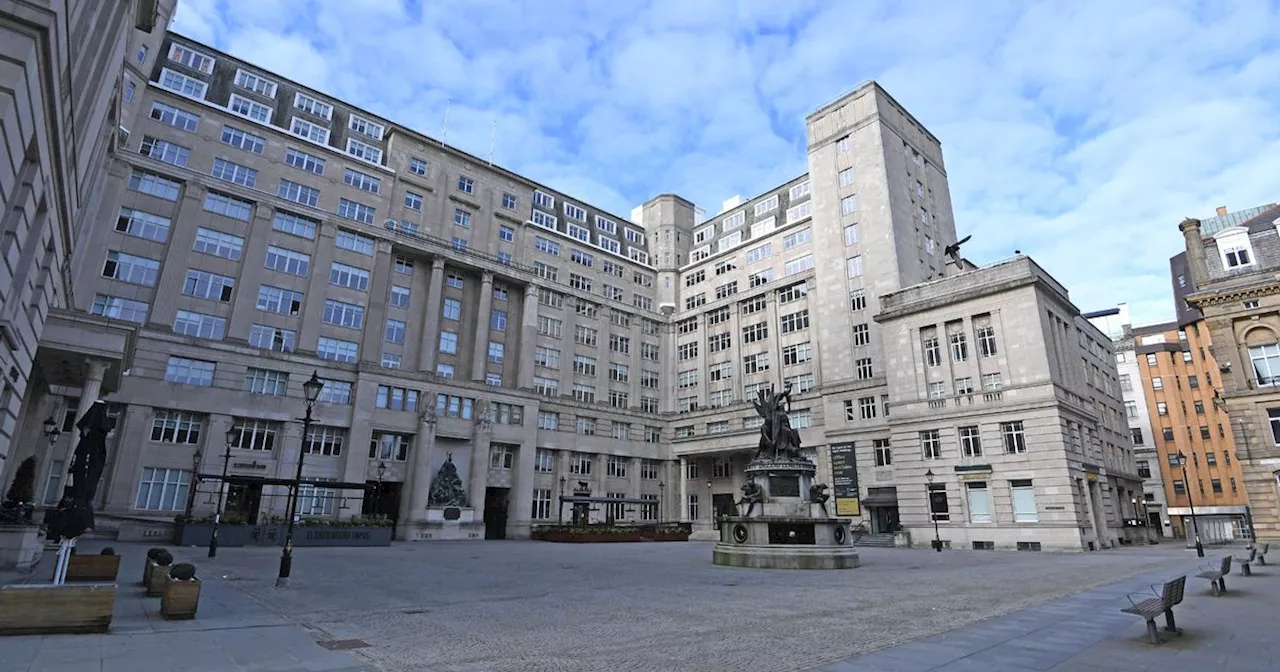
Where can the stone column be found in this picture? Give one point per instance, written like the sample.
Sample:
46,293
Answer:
684,490
478,479
528,338
480,355
431,323
413,504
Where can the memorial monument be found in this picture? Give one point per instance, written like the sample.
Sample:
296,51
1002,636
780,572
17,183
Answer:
782,520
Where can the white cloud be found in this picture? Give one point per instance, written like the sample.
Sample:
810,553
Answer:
1079,132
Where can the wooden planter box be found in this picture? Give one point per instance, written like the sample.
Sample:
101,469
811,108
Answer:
96,568
34,609
156,578
669,536
179,599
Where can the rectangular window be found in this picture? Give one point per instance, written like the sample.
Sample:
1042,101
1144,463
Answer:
341,314
931,444
939,508
120,308
162,489
313,106
1015,439
255,83
272,338
979,502
228,206
250,109
205,285
143,225
883,452
313,132
131,269
364,152
279,300
174,116
356,211
296,225
163,150
154,185
361,181
234,173
304,161
185,371
288,261
1024,501
182,84
970,441
264,381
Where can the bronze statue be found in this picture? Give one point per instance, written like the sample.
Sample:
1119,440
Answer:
776,433
446,487
818,495
752,494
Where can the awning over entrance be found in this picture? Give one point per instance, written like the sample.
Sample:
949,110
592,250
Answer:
881,497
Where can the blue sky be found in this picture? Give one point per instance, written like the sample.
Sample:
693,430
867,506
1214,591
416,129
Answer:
1080,132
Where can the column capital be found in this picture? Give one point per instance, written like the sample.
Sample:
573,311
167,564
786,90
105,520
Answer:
95,369
437,263
487,278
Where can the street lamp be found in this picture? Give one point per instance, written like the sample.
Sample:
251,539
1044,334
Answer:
310,392
937,538
382,471
711,509
560,502
195,481
230,438
662,490
1182,462
51,431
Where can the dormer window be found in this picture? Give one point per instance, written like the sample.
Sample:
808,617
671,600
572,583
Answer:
1235,248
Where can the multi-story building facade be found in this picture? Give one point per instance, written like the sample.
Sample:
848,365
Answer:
257,231
1229,278
1180,384
1115,323
65,93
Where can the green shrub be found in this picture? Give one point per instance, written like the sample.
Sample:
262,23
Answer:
183,571
108,551
161,557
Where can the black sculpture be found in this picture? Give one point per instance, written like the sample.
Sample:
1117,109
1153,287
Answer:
74,514
953,250
776,433
752,494
818,495
446,487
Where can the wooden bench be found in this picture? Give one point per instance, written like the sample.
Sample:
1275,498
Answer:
1217,577
1245,562
1163,602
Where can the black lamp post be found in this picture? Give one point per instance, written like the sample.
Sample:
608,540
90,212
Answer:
662,490
311,392
231,437
711,508
560,503
1195,529
937,538
195,481
382,471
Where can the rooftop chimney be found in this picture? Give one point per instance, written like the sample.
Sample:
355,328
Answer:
1222,211
1195,251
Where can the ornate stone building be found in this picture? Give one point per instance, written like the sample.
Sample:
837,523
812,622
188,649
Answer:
1231,278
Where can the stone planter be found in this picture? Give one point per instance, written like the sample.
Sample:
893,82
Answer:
33,609
670,536
156,578
96,568
179,599
565,537
21,546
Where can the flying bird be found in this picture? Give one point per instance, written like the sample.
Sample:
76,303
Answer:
953,250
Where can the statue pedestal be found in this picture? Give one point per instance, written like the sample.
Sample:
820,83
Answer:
786,530
447,523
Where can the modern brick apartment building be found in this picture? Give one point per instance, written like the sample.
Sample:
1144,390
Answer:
255,231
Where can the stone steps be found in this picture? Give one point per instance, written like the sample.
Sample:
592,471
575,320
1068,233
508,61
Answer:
875,540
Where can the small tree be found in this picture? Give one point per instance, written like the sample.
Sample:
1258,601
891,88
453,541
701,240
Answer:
23,487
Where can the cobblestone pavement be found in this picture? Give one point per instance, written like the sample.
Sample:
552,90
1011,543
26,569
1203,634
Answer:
1087,632
530,606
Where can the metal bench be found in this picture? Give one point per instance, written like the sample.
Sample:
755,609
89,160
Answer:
1245,562
1262,553
1163,602
1217,577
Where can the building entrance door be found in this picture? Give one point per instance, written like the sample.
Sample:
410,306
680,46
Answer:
884,519
495,513
382,500
1153,521
722,505
243,502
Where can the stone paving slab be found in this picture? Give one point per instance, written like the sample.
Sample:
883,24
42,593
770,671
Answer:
1088,633
231,632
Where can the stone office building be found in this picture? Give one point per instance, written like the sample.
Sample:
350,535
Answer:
1228,275
257,231
69,82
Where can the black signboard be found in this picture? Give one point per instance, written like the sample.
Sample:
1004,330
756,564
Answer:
844,471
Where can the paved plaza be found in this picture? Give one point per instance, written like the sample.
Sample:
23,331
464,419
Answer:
537,606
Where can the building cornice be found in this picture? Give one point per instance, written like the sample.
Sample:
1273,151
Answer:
1225,295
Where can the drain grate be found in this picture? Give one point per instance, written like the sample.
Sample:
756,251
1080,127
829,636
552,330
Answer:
344,644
